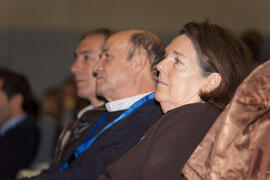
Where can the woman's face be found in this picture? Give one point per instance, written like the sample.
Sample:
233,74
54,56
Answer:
180,79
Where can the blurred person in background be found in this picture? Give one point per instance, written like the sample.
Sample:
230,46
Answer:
253,40
69,100
48,121
19,134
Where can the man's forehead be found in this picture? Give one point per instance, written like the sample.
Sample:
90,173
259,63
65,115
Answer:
91,41
88,46
92,38
118,40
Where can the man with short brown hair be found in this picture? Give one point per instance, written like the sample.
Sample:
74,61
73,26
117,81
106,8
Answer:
86,56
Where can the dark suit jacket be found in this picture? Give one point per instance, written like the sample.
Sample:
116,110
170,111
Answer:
108,147
18,147
166,147
72,132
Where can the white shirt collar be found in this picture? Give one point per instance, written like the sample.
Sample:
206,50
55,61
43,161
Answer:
124,103
11,123
87,108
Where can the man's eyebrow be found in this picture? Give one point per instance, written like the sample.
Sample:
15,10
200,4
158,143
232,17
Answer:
85,52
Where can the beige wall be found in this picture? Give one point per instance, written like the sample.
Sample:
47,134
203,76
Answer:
156,15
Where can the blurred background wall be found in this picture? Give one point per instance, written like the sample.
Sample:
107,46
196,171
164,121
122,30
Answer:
38,37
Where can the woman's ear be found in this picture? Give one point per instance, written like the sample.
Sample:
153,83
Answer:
212,82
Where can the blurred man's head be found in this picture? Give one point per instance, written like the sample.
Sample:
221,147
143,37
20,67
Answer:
86,55
127,65
16,97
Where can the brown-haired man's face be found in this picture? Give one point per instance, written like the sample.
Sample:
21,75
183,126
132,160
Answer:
87,54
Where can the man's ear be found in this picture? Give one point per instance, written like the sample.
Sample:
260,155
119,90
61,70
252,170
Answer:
140,60
212,82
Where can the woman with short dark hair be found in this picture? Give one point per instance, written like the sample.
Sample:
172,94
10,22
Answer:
202,68
219,50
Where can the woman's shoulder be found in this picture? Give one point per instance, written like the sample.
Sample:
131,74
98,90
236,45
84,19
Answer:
193,109
197,114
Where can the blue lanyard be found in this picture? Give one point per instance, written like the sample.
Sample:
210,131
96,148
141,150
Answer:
89,140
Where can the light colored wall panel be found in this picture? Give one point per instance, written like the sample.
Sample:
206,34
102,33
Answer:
162,16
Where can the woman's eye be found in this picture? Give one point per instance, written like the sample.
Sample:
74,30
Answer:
177,61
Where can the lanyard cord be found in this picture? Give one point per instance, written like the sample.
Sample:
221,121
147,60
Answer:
89,140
